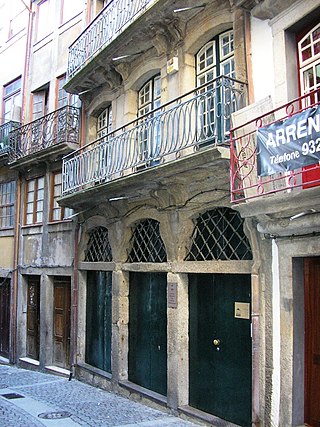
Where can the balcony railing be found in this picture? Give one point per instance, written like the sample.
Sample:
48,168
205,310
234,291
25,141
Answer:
5,129
245,180
200,117
60,126
110,22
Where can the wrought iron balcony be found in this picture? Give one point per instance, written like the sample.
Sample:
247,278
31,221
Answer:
246,184
111,21
5,129
54,131
176,129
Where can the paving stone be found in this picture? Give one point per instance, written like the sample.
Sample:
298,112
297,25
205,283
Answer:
87,405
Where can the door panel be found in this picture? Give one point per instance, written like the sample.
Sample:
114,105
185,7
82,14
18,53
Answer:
312,341
148,331
61,322
33,317
4,317
220,346
98,319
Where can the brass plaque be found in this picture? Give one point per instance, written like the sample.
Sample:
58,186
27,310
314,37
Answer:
172,295
242,310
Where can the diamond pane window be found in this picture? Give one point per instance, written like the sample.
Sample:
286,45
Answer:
98,249
219,235
146,243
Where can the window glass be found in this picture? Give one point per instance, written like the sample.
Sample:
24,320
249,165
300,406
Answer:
7,198
104,122
34,201
309,63
12,101
58,213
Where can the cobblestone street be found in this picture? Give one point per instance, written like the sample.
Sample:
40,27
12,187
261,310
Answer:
34,399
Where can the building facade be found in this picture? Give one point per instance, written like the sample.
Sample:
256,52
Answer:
152,253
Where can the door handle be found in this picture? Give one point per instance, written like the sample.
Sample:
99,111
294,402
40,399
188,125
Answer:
216,342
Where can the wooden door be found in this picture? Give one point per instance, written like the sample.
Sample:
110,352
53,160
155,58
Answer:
312,341
99,319
61,322
220,346
4,317
33,317
148,331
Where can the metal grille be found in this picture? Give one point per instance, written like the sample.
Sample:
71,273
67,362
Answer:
146,243
98,249
218,234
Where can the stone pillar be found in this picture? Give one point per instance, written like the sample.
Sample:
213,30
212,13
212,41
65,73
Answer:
178,342
82,296
120,320
46,321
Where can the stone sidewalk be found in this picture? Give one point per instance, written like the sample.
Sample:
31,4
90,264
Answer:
35,399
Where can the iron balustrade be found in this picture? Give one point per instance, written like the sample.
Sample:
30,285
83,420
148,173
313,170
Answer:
111,21
5,130
60,126
245,182
177,128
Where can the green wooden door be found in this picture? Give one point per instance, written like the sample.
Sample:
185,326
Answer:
148,331
220,346
98,319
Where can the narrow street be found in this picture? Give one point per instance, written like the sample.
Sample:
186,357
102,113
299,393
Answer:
34,399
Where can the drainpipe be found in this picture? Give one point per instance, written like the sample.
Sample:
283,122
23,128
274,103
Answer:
14,294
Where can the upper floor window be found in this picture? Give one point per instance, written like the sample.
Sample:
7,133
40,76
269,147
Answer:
44,20
216,58
149,137
309,61
7,198
70,8
149,96
104,122
57,213
34,201
64,98
12,101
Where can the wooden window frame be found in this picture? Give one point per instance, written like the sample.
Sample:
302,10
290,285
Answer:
53,198
6,206
34,201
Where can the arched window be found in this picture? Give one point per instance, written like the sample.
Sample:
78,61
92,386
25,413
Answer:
309,61
104,122
146,243
149,132
98,248
214,59
218,235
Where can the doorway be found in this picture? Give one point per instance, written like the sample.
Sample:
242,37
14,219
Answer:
4,317
220,345
312,341
33,317
148,331
61,321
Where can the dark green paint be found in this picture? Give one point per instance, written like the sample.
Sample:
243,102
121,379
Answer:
98,319
148,331
220,376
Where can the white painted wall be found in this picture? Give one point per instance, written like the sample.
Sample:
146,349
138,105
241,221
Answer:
262,59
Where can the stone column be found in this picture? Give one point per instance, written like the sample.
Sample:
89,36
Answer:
46,320
178,341
120,320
